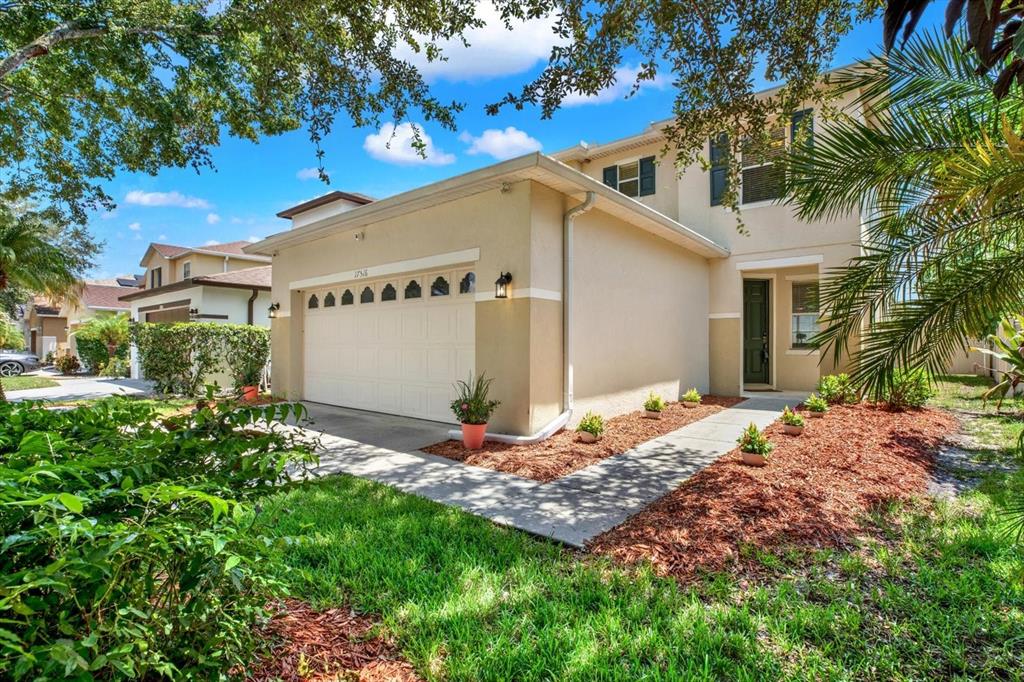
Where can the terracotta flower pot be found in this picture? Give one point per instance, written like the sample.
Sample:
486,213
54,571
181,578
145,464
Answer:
651,414
250,394
473,435
792,430
817,415
690,404
753,459
587,437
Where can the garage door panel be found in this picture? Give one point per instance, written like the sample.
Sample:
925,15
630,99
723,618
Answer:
397,357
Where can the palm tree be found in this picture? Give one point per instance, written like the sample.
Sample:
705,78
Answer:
28,260
937,159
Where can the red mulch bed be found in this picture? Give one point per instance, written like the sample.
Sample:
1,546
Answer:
813,493
330,645
563,453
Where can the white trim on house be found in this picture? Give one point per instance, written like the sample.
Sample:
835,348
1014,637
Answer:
544,294
790,262
723,316
397,267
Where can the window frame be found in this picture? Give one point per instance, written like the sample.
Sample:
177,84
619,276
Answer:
795,315
186,269
156,278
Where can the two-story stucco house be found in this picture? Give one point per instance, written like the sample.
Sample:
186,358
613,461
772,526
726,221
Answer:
212,283
578,281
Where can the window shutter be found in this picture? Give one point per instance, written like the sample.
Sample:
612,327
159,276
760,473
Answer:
611,176
719,170
647,183
798,120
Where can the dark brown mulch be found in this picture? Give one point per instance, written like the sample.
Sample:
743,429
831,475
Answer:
563,453
330,645
813,493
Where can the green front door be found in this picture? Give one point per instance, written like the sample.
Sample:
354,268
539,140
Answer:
755,331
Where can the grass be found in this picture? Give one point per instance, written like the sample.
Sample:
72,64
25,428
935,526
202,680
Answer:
23,383
996,428
467,600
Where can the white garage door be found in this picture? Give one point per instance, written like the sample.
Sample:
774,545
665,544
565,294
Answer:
394,345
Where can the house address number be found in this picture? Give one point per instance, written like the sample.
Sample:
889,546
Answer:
359,274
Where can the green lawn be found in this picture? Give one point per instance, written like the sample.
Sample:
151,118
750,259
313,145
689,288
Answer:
991,426
26,382
940,598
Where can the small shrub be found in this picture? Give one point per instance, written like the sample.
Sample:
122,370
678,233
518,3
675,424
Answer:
816,403
592,424
116,367
791,418
754,441
472,406
50,357
836,389
692,396
67,364
909,389
654,403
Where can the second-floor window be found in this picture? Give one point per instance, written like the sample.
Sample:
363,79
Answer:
186,270
156,278
760,177
632,178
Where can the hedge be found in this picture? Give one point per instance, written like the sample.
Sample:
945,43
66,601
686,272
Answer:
178,357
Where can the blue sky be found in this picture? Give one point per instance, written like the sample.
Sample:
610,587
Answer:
252,182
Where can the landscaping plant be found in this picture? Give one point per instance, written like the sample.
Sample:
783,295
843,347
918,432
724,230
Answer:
692,396
67,363
133,551
791,418
592,424
472,405
654,403
815,403
101,339
837,389
754,441
908,389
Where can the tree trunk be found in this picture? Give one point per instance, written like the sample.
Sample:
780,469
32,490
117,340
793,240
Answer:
3,396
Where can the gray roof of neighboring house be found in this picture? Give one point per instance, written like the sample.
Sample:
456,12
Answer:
247,278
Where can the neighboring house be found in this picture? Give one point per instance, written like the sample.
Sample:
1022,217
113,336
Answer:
96,298
46,330
626,278
50,326
213,283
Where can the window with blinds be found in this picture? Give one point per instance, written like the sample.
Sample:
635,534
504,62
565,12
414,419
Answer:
763,179
805,313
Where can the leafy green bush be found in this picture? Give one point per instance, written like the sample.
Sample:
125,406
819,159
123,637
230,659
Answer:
116,367
178,357
816,403
836,389
692,396
93,353
752,440
131,550
472,406
592,424
791,418
67,364
101,337
654,403
909,389
11,336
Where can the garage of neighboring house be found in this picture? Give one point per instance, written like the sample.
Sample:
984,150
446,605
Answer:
391,345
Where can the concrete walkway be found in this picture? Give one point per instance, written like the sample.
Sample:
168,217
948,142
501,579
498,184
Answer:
82,388
572,509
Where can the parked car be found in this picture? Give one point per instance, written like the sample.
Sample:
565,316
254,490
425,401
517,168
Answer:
15,362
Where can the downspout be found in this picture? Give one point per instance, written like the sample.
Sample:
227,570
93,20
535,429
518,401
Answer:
568,401
252,299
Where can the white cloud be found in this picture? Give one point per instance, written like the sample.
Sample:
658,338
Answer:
308,174
625,76
162,238
493,50
212,218
393,144
212,242
253,238
164,199
135,227
501,144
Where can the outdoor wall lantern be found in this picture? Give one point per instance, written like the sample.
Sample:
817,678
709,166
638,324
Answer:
501,285
272,310
193,313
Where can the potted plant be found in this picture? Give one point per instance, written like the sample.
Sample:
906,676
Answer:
247,380
691,398
754,446
473,409
653,406
816,405
590,427
792,423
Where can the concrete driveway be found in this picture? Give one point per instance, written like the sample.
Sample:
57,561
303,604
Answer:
82,388
390,432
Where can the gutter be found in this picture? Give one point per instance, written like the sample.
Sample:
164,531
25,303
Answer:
568,400
252,299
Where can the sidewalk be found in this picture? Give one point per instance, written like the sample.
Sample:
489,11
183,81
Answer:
82,388
573,509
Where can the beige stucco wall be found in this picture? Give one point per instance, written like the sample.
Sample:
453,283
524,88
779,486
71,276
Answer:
666,197
202,264
641,317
